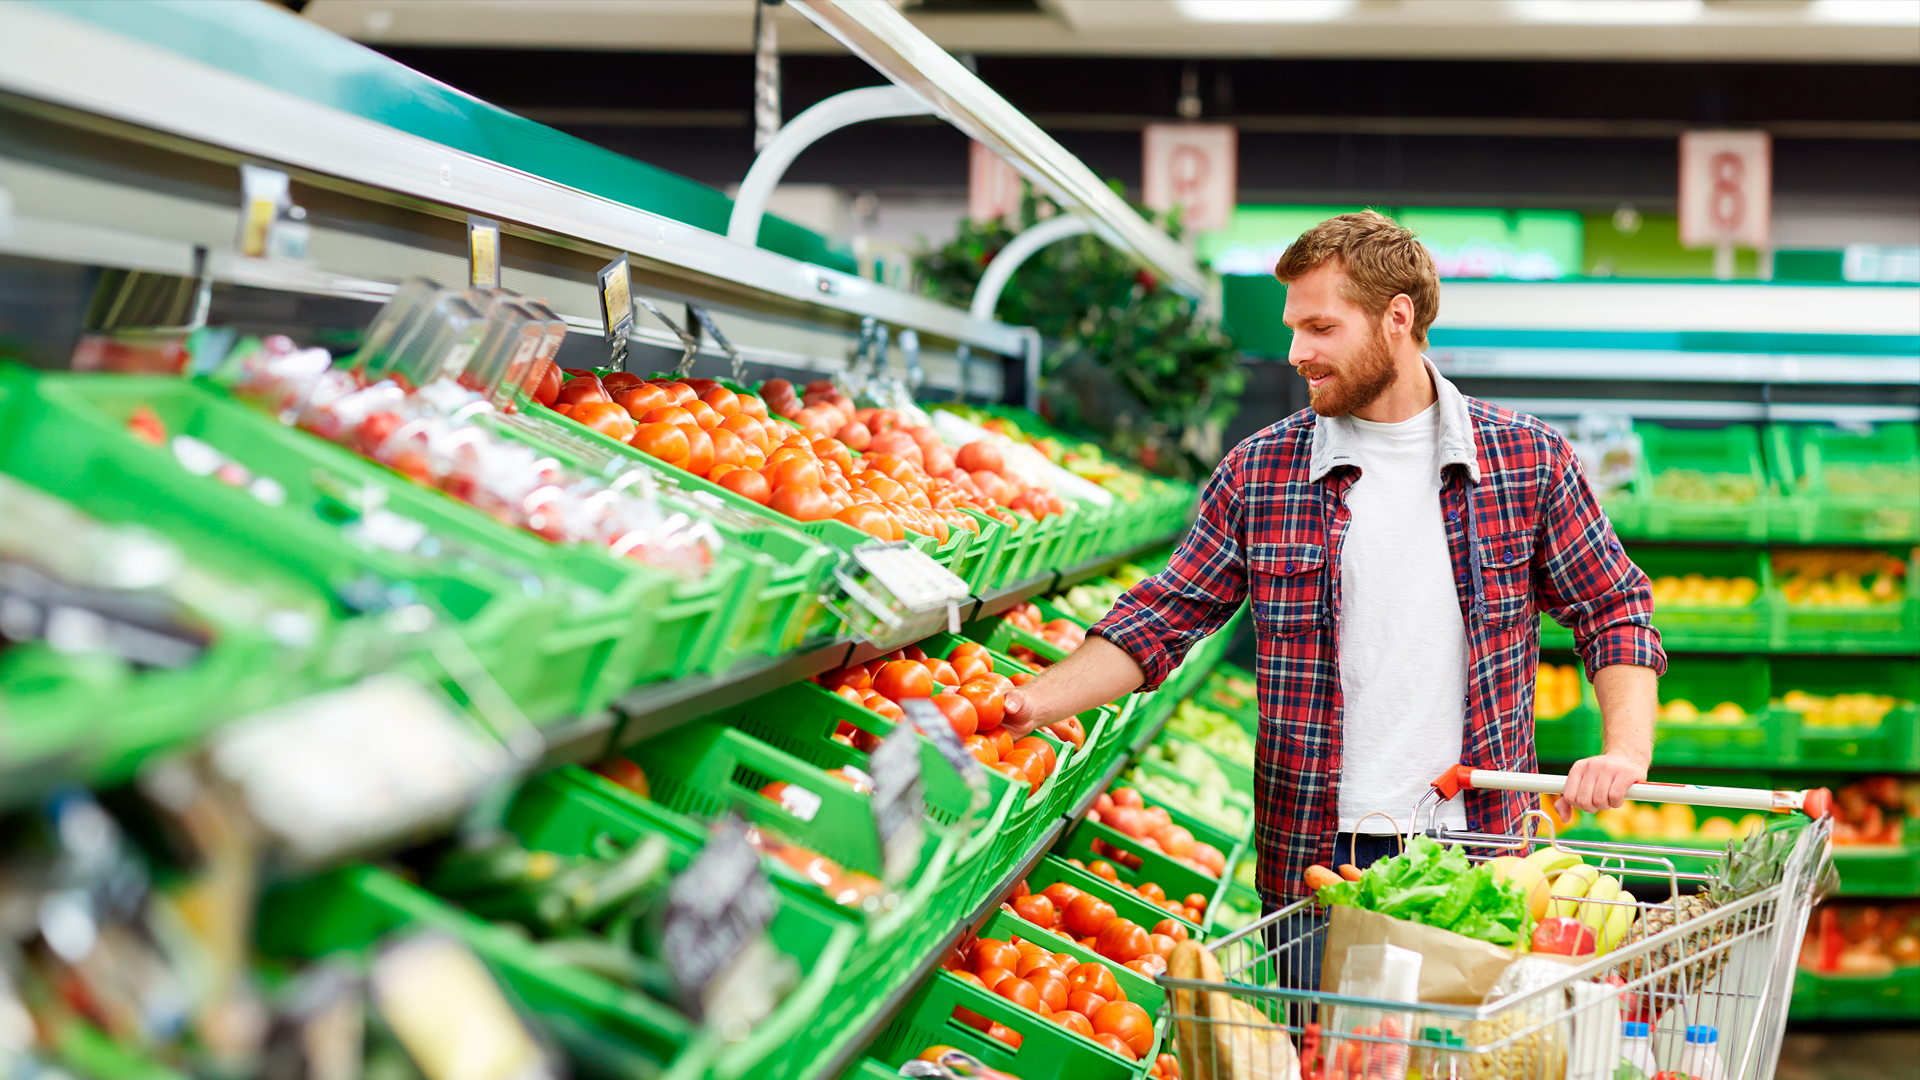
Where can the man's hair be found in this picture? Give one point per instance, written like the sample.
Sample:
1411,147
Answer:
1381,258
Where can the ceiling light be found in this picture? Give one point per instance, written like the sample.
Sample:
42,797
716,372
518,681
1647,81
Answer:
1607,12
1867,12
1263,11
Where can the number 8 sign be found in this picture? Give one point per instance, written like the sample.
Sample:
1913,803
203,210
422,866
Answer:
1726,188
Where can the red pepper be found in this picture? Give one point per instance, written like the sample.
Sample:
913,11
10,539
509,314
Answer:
1310,1063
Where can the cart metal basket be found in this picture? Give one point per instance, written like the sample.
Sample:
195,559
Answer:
1730,968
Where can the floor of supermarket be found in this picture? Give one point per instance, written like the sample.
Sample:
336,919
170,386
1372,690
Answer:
1851,1054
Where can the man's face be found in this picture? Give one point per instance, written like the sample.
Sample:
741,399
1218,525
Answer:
1341,352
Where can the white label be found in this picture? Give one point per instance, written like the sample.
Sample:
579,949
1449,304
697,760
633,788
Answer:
1726,188
1192,166
912,576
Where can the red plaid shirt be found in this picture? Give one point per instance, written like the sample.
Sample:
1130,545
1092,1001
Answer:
1526,536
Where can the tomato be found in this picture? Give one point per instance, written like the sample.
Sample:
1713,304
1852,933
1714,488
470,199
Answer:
855,676
1104,870
1032,960
959,712
641,400
1050,985
606,418
682,393
942,672
1002,741
989,704
547,390
1020,992
1149,965
970,660
1087,914
1042,747
747,484
1020,678
1005,684
1031,765
1073,1021
868,519
749,430
699,452
782,472
728,448
981,749
751,405
584,388
1006,1035
1128,1022
1116,1044
1085,1002
1161,944
902,679
885,707
1152,893
1195,901
835,451
616,381
1123,940
703,414
1168,1065
801,502
1037,910
1171,928
992,976
1061,894
668,414
722,400
1070,730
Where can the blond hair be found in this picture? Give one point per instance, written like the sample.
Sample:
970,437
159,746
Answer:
1381,258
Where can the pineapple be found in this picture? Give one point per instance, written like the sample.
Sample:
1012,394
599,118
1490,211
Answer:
1755,865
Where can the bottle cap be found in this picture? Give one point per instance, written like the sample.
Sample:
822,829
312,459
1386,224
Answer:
1633,1029
1434,1035
1703,1033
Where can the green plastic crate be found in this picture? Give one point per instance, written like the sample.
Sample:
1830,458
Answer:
1046,1049
1176,879
1731,451
998,634
1877,870
1706,681
1575,735
1705,629
1127,905
1888,746
1846,485
1892,627
1854,997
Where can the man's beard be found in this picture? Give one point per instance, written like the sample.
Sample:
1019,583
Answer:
1356,383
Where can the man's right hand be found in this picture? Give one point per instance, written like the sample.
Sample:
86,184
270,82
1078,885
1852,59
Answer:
1022,715
1092,675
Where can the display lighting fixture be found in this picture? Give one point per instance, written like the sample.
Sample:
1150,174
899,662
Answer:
1263,11
1607,12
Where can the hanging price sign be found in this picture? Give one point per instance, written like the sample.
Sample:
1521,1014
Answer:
483,252
899,804
616,307
1726,188
719,906
925,715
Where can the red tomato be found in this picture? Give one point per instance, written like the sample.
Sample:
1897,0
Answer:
1087,915
989,704
981,749
1095,978
1116,1044
868,519
703,414
1070,730
699,452
801,502
1195,901
1042,747
1161,944
616,381
547,390
902,679
1128,1022
970,660
959,713
1061,894
584,388
942,672
782,472
747,484
1006,1035
641,400
606,418
752,405
1171,928
993,953
669,414
1085,1002
1037,910
722,400
728,448
885,707
682,393
1073,1021
856,676
1051,986
1104,870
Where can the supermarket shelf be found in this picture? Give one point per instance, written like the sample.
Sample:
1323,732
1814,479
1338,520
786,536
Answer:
131,89
856,1044
1662,365
1662,409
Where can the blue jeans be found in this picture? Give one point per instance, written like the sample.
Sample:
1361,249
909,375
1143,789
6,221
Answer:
1298,942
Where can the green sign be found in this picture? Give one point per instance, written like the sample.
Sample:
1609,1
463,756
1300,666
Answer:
1520,245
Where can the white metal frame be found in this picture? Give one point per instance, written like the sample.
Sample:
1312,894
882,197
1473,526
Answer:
819,120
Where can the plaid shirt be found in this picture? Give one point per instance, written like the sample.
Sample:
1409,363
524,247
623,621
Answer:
1526,535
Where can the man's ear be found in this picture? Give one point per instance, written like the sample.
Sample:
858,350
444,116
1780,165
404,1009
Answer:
1400,316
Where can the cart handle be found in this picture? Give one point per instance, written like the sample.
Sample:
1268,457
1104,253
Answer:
1814,802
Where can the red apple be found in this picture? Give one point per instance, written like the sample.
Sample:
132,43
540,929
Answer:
1563,936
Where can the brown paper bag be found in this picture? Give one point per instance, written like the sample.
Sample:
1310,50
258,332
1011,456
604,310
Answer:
1216,1035
1454,969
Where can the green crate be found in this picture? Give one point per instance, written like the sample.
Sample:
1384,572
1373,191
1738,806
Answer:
1575,735
1887,746
1855,997
869,1069
1878,870
1891,627
1127,905
1707,629
1046,1049
998,634
1707,681
1820,503
1176,879
1731,451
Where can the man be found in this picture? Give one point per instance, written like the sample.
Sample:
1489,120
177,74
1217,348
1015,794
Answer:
1397,541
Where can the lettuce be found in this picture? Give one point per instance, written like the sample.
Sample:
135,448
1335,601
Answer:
1437,886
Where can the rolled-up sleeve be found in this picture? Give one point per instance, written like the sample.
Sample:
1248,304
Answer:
1587,583
1158,620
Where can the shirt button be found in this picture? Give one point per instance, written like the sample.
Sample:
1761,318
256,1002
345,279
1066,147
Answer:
1289,568
1453,515
1507,556
1463,579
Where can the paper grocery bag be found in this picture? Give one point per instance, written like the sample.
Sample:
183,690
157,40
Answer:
1454,969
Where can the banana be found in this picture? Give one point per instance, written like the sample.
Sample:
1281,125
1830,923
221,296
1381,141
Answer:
1619,918
1551,860
1569,887
1604,887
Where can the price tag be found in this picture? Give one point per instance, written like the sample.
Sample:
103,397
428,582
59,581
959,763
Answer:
715,910
616,307
264,195
483,252
912,576
899,806
925,715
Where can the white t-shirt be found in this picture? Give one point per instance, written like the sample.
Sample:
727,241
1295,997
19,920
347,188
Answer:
1403,641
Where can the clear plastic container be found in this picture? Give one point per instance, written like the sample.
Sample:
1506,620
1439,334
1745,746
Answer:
1700,1057
1636,1047
1430,1063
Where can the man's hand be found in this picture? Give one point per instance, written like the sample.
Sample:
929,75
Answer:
1093,674
1022,715
1600,783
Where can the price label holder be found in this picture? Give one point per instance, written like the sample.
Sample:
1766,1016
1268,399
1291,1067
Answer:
689,342
899,803
265,194
483,252
616,307
891,582
714,933
713,330
925,715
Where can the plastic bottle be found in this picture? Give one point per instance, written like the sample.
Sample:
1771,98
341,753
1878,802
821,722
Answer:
1636,1047
1700,1058
1433,1064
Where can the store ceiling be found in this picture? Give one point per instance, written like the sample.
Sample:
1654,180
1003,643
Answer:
1854,31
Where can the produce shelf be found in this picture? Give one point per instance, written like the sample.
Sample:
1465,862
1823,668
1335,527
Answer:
1893,997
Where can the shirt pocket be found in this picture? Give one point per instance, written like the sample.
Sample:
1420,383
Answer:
1288,586
1506,567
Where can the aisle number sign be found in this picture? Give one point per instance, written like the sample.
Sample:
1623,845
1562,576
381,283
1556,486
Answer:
1726,188
1195,167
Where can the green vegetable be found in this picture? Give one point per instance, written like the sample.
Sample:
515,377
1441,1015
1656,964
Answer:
1437,886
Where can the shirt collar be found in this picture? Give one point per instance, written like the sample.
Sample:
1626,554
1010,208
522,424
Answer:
1333,436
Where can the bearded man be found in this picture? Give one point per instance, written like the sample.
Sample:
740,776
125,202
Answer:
1398,541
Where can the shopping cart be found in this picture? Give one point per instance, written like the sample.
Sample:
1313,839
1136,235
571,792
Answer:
1681,968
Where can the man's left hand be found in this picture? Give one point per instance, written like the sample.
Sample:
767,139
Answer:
1599,783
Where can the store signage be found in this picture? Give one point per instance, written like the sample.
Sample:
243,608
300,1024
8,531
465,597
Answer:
483,252
1726,188
993,186
1195,167
1465,242
898,803
715,909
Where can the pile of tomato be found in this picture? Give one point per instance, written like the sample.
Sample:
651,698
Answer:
966,689
1082,997
1091,921
1151,827
1063,634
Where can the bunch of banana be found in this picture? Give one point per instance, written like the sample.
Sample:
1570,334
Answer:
1568,886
